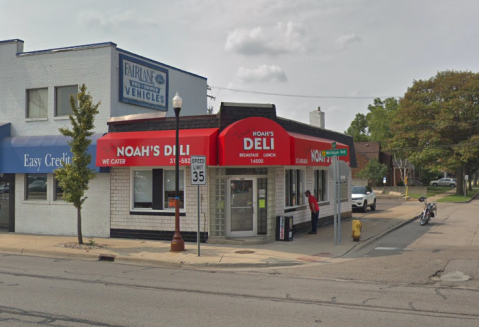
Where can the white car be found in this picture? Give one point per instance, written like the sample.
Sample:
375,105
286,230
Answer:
363,197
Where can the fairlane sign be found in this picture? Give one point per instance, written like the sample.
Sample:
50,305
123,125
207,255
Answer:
143,84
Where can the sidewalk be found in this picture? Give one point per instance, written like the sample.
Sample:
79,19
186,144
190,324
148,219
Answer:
302,250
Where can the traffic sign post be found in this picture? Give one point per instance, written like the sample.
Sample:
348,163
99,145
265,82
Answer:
198,177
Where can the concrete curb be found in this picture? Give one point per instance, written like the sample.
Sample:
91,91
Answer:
142,261
374,238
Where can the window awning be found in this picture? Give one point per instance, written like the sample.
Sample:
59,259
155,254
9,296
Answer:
156,148
308,150
39,154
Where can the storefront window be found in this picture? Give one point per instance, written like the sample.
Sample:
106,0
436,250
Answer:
155,189
36,187
319,185
294,187
143,190
169,192
287,189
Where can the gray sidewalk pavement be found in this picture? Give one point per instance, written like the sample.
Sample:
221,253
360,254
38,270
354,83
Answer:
304,249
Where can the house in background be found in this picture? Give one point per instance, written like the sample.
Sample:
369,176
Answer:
365,151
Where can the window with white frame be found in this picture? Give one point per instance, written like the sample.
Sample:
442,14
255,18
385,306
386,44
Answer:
320,185
62,99
155,189
37,103
294,187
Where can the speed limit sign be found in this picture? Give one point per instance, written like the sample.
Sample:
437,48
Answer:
198,170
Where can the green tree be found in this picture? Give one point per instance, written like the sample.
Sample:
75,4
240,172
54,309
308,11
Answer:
376,124
379,119
75,176
374,172
359,129
437,123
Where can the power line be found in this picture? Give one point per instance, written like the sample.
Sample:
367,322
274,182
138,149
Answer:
307,96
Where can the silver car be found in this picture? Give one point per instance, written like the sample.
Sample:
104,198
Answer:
451,182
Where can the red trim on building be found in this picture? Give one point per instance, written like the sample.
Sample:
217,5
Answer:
306,150
254,141
156,148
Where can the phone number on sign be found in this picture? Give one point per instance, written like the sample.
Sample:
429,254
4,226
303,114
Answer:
301,161
182,160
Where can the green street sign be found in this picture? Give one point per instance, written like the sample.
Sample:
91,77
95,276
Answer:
333,146
334,153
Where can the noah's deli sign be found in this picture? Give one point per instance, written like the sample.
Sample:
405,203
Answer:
254,141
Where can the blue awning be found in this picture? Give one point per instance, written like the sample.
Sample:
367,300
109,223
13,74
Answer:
39,154
4,130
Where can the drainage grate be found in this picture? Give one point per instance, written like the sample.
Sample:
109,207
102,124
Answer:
244,252
106,257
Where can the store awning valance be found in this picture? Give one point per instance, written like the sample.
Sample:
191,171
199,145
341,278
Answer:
254,141
308,150
156,148
39,154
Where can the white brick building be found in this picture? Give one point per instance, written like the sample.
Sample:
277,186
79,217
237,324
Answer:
259,167
34,92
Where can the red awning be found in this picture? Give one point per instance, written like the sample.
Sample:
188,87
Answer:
254,141
156,148
307,150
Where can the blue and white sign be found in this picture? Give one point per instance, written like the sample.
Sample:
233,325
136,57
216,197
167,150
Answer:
143,84
39,154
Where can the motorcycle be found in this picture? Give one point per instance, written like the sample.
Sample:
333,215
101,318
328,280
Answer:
430,211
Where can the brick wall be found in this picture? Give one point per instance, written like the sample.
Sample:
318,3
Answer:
302,216
121,204
52,217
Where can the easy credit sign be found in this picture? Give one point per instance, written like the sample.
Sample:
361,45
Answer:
198,170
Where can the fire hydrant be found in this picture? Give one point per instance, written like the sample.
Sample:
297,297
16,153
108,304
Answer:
356,233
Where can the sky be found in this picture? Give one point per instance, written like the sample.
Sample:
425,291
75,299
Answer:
296,54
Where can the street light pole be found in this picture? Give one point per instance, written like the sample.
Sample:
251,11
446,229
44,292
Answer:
177,244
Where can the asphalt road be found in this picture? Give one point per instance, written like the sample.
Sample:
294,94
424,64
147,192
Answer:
395,281
382,205
49,292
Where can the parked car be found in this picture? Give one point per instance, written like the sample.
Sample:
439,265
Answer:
451,182
37,186
4,188
363,197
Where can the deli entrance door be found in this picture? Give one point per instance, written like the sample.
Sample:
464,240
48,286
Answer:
241,220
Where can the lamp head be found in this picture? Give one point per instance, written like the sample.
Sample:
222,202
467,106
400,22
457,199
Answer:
177,102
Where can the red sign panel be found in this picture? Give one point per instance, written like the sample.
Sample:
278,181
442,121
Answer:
254,141
306,150
156,148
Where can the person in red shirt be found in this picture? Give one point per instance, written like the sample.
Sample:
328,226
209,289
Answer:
314,207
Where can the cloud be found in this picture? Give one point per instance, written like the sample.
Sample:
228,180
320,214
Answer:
345,40
108,21
262,73
280,39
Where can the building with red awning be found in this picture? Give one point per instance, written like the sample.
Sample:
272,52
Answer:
259,167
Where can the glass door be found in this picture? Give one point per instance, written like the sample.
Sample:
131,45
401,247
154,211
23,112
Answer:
242,202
